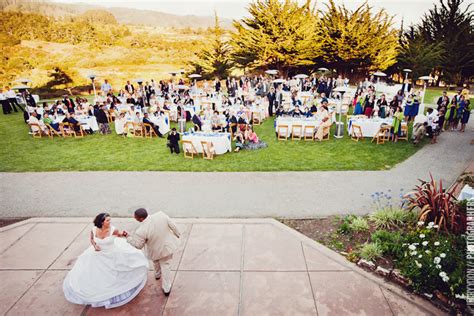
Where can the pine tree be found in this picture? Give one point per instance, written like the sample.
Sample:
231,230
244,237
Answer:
451,26
419,55
357,40
214,60
277,35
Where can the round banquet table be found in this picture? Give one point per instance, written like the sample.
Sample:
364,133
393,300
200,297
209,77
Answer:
221,141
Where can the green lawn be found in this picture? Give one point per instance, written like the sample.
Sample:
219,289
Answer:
20,152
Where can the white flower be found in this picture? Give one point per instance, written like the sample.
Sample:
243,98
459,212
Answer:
443,274
427,251
437,260
413,253
412,247
436,226
442,255
424,243
421,223
438,266
430,224
419,265
445,279
422,235
420,256
436,243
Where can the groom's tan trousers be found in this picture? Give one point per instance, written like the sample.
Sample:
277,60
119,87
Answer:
163,267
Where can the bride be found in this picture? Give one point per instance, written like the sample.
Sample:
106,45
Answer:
110,273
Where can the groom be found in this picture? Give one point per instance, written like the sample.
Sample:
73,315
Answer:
159,235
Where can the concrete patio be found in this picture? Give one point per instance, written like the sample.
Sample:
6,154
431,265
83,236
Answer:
223,267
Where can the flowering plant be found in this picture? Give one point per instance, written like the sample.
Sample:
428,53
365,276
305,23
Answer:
434,261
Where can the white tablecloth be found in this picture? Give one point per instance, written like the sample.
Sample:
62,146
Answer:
369,126
163,123
88,122
221,141
290,121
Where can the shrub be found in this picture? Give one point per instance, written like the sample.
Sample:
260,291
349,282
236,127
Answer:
359,224
370,251
390,242
434,260
389,217
437,206
345,228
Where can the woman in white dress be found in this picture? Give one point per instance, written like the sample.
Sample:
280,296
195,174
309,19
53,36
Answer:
110,273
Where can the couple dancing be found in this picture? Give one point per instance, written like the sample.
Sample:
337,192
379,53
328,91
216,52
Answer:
112,271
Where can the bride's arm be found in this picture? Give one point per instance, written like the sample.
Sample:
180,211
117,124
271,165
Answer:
96,247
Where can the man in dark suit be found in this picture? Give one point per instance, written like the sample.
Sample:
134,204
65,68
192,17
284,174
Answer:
271,101
197,121
146,120
129,87
406,87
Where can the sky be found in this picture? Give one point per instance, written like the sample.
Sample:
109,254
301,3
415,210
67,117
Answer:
410,10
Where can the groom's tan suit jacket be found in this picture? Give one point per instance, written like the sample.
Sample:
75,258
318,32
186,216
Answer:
158,235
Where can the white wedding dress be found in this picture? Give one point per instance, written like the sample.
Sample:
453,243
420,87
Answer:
110,277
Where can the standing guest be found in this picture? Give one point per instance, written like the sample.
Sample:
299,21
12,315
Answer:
103,121
369,106
129,88
397,124
161,237
173,141
393,106
409,108
69,102
382,104
106,87
271,101
7,109
451,115
357,104
464,112
11,95
432,119
443,101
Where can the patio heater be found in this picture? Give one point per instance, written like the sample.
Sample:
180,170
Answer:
339,133
425,79
92,77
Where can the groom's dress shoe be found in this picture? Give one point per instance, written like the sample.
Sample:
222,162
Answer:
157,276
166,293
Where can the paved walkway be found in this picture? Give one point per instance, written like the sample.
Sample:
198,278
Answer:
222,194
223,267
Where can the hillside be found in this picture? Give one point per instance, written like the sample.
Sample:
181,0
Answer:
123,15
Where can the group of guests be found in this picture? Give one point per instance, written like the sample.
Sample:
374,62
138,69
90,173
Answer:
9,102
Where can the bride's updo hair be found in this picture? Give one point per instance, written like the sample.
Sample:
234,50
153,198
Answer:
99,219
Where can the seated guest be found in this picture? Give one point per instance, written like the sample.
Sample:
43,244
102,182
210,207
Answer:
314,109
296,112
146,120
280,111
103,121
216,122
48,120
173,141
253,142
34,120
369,106
120,123
322,130
197,123
239,140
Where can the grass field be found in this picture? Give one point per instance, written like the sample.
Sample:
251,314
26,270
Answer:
20,153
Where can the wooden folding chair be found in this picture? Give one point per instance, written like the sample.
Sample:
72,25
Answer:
36,133
128,128
66,129
231,126
208,151
356,134
256,118
79,132
379,137
188,149
326,133
148,130
138,129
308,132
296,132
404,132
282,132
52,131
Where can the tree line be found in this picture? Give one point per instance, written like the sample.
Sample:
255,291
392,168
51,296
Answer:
290,37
